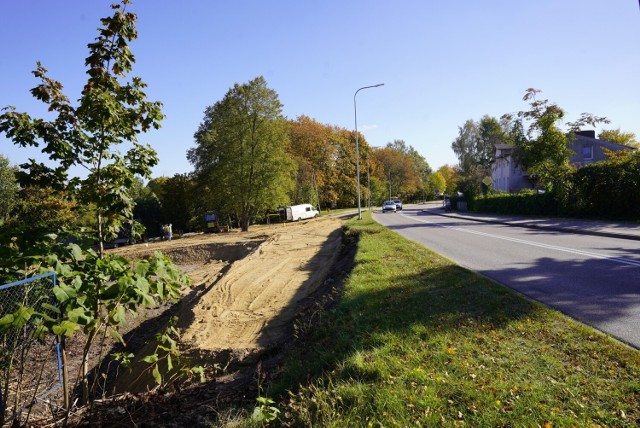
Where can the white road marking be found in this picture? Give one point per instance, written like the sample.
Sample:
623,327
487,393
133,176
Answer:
533,244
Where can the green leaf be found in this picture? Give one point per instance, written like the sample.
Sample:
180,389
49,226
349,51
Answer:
64,293
119,315
51,308
80,316
142,268
65,328
160,291
76,252
77,282
111,292
63,269
199,370
142,284
156,375
151,359
22,316
40,332
117,337
169,363
6,322
148,301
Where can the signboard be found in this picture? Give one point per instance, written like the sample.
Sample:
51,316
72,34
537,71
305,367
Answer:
487,181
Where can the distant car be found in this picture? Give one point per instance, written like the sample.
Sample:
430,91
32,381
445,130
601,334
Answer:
398,203
389,206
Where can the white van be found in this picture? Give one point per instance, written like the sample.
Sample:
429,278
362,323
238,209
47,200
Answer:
298,212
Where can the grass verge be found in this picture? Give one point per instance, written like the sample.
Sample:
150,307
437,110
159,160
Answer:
417,340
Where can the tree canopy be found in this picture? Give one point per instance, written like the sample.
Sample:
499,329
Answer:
111,111
241,167
8,188
475,148
541,146
620,137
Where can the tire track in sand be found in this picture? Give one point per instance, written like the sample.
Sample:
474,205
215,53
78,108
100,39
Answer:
255,302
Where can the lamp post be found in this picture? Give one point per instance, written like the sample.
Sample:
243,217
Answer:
355,112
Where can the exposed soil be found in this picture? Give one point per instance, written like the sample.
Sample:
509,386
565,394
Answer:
248,290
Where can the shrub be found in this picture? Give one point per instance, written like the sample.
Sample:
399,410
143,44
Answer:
608,189
527,202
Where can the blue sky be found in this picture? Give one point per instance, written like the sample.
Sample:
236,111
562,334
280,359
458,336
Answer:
442,62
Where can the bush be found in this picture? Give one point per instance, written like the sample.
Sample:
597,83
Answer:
527,202
609,189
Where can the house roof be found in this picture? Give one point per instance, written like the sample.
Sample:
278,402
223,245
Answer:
503,146
612,146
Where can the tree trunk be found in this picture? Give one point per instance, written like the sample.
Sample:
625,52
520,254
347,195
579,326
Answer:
244,221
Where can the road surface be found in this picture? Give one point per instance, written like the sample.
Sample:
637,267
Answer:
593,279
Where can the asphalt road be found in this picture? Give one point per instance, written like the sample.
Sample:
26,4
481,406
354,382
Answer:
593,279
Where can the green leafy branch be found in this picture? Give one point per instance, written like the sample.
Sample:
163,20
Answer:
167,364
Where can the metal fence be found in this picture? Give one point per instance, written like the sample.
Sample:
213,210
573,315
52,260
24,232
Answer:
30,363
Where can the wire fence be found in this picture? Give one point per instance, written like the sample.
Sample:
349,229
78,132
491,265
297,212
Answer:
30,363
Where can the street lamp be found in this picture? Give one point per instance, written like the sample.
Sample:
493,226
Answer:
355,112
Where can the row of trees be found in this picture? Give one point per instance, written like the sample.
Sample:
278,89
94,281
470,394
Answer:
249,160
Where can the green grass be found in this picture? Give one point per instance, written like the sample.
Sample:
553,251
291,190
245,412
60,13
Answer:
416,340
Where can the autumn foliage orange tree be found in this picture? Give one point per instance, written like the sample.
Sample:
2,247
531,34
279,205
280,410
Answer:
404,171
326,172
325,163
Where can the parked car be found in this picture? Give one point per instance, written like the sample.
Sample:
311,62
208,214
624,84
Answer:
398,203
389,206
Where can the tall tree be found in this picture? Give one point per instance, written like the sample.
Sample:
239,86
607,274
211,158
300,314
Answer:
43,209
310,146
95,291
176,200
111,111
541,146
437,183
464,145
398,169
475,148
490,134
423,173
450,175
148,211
343,178
8,188
240,152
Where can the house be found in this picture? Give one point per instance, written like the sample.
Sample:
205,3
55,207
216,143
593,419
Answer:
508,176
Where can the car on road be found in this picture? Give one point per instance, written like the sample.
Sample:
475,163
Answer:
398,203
389,206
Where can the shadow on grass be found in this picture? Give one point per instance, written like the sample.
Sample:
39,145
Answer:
598,292
436,300
597,287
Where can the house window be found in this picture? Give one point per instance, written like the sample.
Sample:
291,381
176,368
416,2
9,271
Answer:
587,152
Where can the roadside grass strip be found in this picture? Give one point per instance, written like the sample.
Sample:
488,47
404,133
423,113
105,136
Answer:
416,340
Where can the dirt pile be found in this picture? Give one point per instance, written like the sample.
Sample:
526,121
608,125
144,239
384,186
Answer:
249,289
